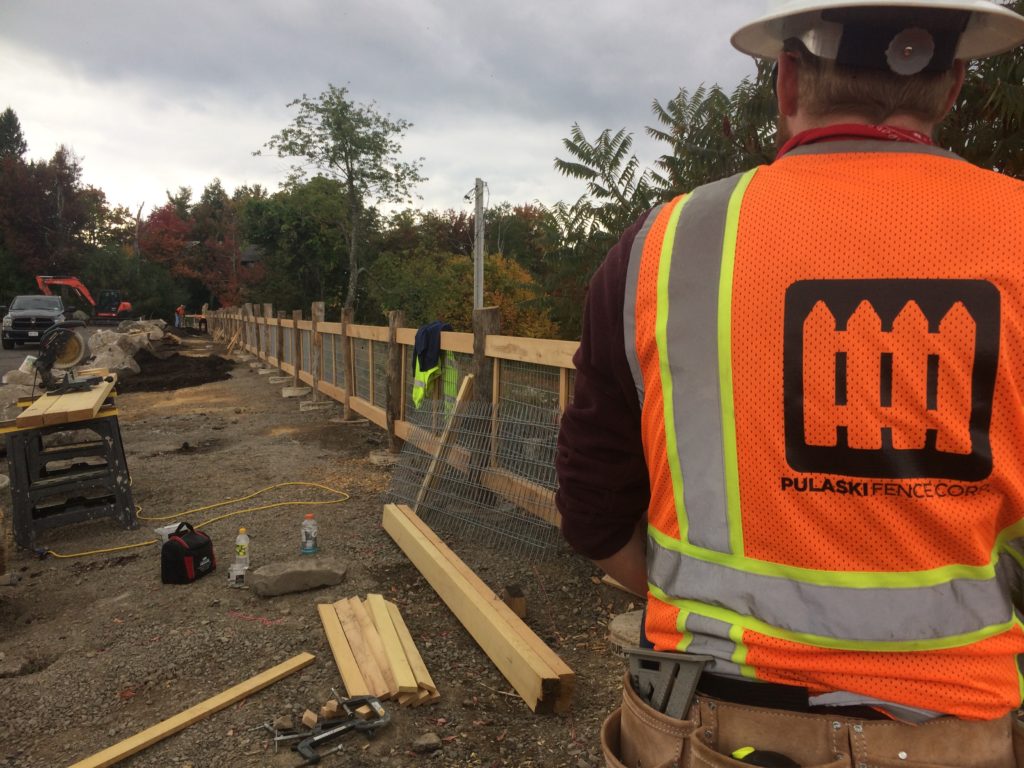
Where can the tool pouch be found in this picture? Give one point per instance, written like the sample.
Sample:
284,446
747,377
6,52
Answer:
187,555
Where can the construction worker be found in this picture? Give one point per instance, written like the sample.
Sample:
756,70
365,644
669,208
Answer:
179,316
797,423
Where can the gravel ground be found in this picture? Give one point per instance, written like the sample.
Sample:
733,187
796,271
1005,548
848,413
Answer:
95,649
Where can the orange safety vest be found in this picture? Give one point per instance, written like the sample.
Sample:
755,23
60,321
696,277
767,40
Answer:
829,354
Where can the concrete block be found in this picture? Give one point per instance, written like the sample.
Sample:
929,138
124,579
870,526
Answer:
295,391
265,371
280,379
316,405
299,575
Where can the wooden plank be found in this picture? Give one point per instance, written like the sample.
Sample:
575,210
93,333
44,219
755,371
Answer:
391,644
567,678
458,457
535,499
552,352
412,653
368,332
457,342
373,641
85,405
355,685
368,410
33,415
465,393
150,736
367,664
532,678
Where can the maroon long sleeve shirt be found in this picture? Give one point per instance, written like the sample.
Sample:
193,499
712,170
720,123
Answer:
603,482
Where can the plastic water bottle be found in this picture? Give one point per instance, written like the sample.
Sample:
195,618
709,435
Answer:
242,550
309,535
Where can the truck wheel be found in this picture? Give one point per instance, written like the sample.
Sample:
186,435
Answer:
8,344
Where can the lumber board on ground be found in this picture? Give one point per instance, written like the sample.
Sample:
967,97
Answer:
364,658
391,644
372,638
348,668
412,653
566,677
150,736
516,658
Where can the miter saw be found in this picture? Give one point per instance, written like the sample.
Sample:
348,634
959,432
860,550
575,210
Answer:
60,349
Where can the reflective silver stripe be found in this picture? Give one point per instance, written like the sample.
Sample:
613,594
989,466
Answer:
711,638
869,145
692,335
629,302
897,614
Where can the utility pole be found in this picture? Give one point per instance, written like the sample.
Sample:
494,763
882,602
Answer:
478,248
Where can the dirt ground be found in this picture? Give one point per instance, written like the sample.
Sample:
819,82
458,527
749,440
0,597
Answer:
95,649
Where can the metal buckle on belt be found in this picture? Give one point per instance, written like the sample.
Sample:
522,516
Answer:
666,681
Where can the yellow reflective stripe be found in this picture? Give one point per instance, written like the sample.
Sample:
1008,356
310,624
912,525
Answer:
661,338
739,656
685,636
854,579
839,644
732,476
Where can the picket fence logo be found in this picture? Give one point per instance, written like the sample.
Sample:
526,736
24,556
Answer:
890,378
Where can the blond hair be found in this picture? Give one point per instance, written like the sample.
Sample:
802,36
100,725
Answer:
827,88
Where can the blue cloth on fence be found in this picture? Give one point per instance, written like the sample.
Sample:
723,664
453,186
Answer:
427,347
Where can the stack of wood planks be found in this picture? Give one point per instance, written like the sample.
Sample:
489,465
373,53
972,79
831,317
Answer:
375,652
536,672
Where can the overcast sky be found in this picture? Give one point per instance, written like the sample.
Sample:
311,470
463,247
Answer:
154,95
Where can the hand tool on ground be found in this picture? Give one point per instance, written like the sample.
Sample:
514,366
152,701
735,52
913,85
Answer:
307,748
666,681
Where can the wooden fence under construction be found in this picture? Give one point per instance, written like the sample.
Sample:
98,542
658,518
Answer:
369,371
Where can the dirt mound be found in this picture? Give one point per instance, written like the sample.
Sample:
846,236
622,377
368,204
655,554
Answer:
174,372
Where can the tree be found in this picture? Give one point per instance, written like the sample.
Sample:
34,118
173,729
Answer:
12,141
713,135
620,190
359,148
986,125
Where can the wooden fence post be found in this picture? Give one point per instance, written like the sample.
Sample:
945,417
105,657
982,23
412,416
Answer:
246,314
281,316
396,319
486,322
316,346
348,363
296,346
268,314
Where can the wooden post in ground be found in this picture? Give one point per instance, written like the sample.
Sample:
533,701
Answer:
316,347
396,319
486,322
257,336
268,315
296,345
348,362
246,314
281,317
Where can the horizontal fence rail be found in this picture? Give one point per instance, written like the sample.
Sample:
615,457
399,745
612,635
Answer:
369,371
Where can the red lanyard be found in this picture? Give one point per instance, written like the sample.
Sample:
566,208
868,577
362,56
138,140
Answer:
855,131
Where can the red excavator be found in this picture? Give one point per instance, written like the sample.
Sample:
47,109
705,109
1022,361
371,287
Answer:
109,308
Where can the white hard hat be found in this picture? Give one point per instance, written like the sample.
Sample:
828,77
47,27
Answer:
985,28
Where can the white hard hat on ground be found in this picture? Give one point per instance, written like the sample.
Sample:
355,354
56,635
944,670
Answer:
969,29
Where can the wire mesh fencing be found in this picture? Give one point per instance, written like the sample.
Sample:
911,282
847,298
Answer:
493,477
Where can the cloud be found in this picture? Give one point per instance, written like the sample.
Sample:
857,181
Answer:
159,95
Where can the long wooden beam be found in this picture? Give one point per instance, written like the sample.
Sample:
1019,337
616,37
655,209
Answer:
140,741
515,656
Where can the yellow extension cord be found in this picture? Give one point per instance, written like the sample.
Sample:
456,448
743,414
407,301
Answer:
341,494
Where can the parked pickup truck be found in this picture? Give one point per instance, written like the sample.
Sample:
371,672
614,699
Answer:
29,317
